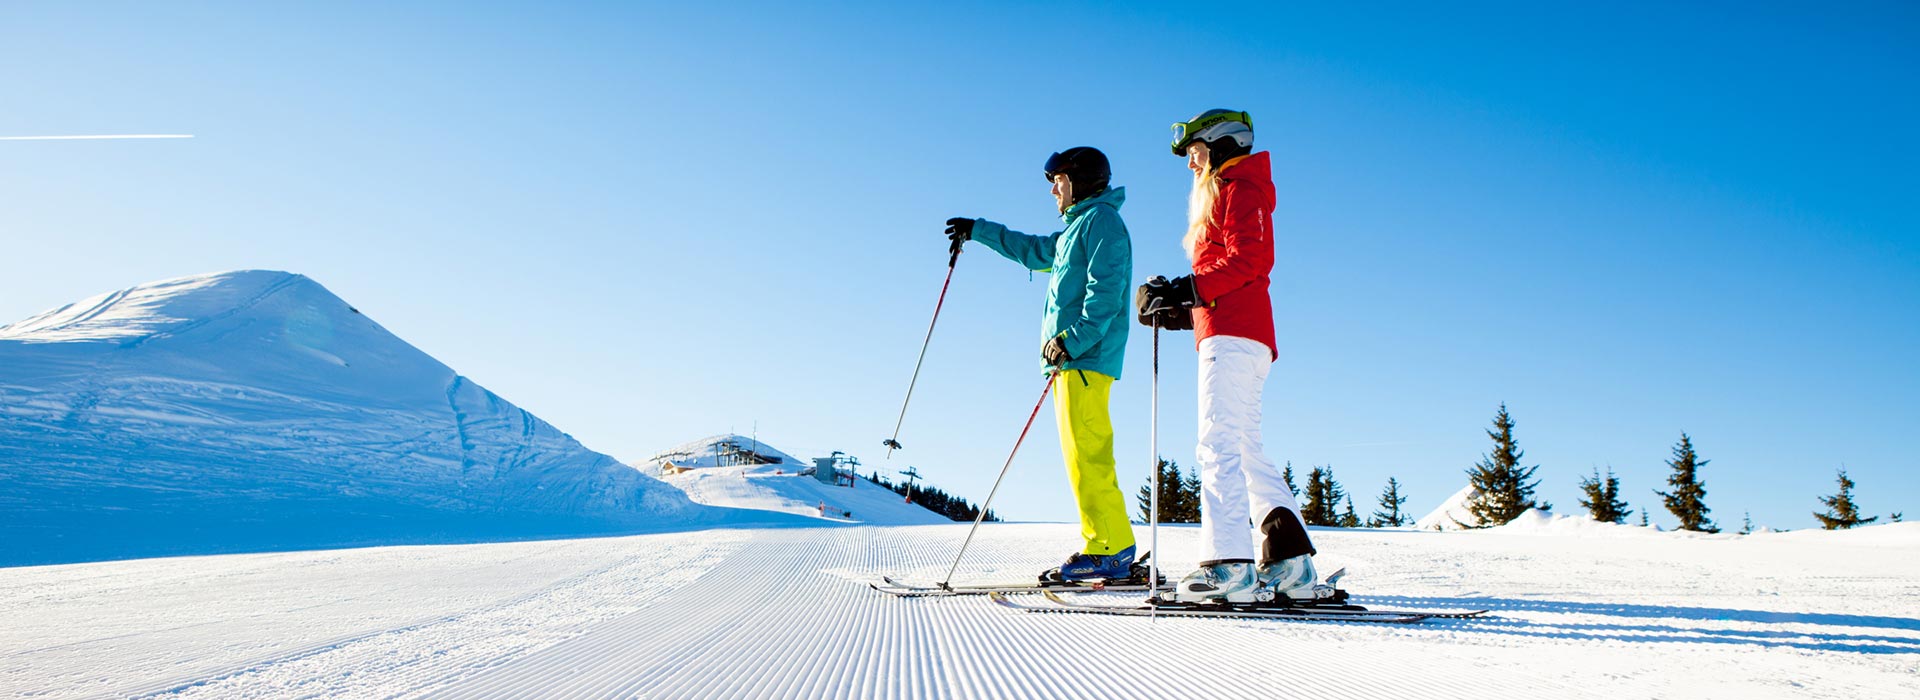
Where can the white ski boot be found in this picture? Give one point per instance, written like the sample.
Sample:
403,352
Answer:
1292,579
1231,582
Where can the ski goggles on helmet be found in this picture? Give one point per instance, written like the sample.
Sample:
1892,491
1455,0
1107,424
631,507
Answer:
1186,132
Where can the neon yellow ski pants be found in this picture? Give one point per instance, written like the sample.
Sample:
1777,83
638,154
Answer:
1086,441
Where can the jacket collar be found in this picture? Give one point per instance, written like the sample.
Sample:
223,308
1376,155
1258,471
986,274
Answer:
1252,165
1113,197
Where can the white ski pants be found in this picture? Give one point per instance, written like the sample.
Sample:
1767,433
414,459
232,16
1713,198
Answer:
1235,473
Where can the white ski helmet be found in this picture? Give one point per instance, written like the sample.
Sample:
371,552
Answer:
1211,126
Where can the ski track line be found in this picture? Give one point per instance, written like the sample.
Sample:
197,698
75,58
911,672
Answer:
175,572
750,613
769,623
238,672
402,660
740,589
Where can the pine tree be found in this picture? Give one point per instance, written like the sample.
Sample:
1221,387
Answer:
936,500
1603,498
1643,518
1688,502
1390,514
1334,493
1505,488
1841,512
1179,496
1746,522
1192,485
1323,498
1349,518
1895,517
1310,510
1287,476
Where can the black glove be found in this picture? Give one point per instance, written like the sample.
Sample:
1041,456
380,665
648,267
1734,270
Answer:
959,231
1166,303
1180,290
1055,351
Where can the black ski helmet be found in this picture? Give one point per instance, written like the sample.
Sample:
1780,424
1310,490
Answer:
1085,166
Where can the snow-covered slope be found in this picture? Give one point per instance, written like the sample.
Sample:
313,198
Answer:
766,487
781,486
711,451
786,613
1451,514
256,410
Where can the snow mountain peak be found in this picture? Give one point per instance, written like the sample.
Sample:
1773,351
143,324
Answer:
256,410
156,308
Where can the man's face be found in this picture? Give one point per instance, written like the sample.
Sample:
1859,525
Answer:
1197,157
1062,192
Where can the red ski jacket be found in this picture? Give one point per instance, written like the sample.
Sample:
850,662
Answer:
1230,270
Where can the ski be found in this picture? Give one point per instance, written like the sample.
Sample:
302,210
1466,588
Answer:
903,590
1060,605
1336,607
1136,580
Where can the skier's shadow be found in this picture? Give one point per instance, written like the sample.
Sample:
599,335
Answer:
1642,623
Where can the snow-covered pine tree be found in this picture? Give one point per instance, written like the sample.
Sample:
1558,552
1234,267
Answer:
1841,511
1391,500
1688,501
1349,518
1602,498
1505,488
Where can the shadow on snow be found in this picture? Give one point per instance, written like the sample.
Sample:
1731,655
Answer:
1641,623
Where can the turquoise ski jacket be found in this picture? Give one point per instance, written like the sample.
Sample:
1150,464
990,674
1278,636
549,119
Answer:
1092,267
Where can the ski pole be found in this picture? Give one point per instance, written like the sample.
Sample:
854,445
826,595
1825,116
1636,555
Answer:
893,443
996,484
1153,442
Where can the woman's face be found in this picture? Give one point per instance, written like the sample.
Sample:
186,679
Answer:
1197,157
1062,192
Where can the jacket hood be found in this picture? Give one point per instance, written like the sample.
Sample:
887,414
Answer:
1256,168
1113,197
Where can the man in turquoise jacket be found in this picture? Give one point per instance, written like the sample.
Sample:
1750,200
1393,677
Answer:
1084,341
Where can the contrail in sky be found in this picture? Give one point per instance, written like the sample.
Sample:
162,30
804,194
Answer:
96,136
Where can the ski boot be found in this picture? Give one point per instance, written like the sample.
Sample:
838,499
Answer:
1228,582
1087,567
1294,582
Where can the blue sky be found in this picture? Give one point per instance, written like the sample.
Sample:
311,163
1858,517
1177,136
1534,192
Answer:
651,223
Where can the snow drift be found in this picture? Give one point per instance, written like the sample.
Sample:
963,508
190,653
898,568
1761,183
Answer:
255,410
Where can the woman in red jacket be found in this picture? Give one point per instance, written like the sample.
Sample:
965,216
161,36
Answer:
1230,241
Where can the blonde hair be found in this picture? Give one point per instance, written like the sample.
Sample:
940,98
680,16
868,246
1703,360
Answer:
1206,191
